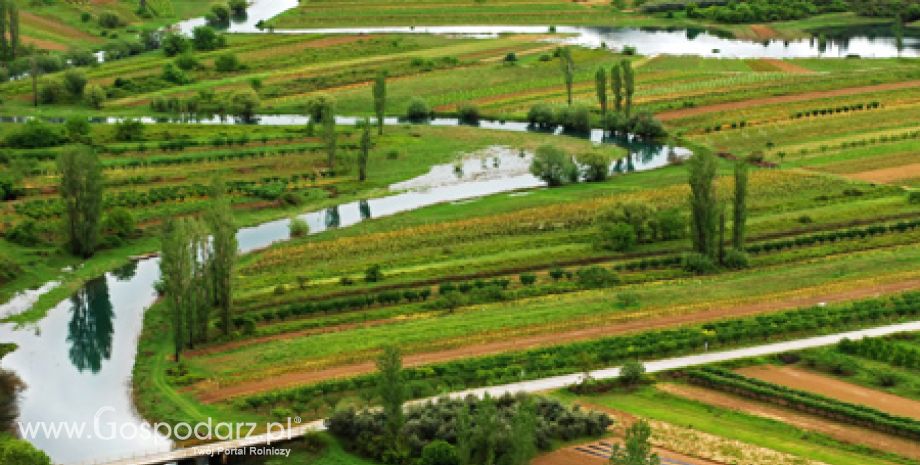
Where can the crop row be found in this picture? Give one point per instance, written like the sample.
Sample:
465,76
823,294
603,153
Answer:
814,404
555,360
833,236
839,109
883,350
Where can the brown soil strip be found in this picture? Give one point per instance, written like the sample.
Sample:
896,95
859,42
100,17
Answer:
733,106
58,28
839,431
215,394
763,32
786,66
895,173
43,44
834,388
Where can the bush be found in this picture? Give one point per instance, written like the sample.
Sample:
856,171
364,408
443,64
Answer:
110,20
187,61
120,223
25,233
128,130
77,128
244,104
468,113
631,373
417,110
94,96
595,166
75,82
219,15
645,125
227,63
238,7
205,38
553,166
528,279
52,89
439,452
35,134
617,236
175,44
172,73
735,259
574,119
373,274
298,227
697,263
596,276
541,116
913,197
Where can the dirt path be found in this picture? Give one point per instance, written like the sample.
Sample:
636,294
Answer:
886,175
210,393
731,106
834,388
763,32
839,431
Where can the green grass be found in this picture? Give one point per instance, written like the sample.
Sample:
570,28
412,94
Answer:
651,403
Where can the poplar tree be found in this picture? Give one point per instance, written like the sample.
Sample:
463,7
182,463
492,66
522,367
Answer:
176,261
628,84
365,150
600,83
4,43
616,84
567,65
223,253
81,188
380,100
739,211
392,393
14,28
703,204
329,135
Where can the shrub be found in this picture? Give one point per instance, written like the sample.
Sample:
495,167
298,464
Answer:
52,89
298,227
556,273
735,259
227,63
244,104
574,118
417,110
645,125
439,452
94,96
913,197
206,38
128,130
25,233
631,373
187,61
627,300
616,236
468,113
541,116
596,276
238,7
77,128
109,20
595,165
373,274
553,166
120,223
75,82
219,15
172,73
35,134
175,44
697,263
528,279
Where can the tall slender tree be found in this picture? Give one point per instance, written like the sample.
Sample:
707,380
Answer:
616,84
721,244
81,188
629,85
13,10
704,214
739,210
485,437
33,73
329,134
223,254
176,262
392,393
464,436
567,64
4,42
365,150
524,433
380,100
636,450
600,84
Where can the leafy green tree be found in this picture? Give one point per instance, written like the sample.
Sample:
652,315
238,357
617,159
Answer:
464,436
119,222
224,249
616,235
600,84
244,104
629,85
77,128
616,85
553,166
365,150
19,452
13,10
704,215
439,452
4,26
94,96
380,100
739,211
595,165
81,188
329,135
129,129
631,373
392,393
636,450
567,65
524,433
485,436
176,268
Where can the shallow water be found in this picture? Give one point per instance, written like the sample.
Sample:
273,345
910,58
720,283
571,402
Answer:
24,300
865,42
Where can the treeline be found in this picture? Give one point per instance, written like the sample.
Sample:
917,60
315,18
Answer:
734,383
550,361
907,10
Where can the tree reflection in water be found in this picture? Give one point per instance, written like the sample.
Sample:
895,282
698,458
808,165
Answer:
91,328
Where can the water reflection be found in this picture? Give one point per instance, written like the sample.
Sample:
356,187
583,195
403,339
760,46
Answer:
90,330
365,208
333,219
126,272
10,386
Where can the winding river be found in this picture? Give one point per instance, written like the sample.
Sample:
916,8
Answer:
77,361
